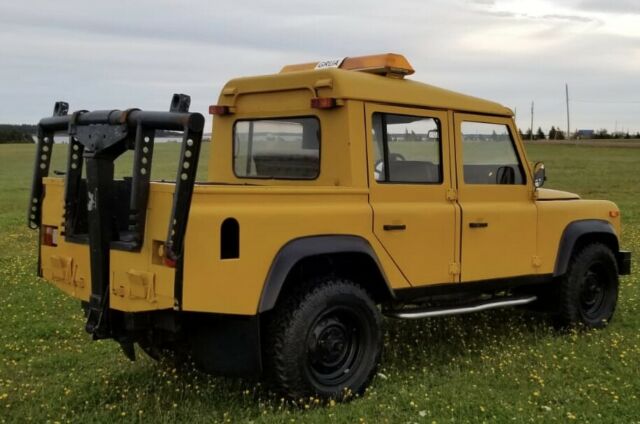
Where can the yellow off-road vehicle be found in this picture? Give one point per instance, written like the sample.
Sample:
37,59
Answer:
338,192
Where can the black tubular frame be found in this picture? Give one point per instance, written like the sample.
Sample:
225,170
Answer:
100,137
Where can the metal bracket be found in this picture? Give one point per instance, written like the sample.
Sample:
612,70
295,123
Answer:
100,137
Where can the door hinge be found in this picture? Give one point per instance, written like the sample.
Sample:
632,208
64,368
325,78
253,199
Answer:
536,261
452,194
454,268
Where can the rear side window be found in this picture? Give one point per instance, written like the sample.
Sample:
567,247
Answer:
489,155
407,149
280,148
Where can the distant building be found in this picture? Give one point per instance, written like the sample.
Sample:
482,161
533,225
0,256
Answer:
580,134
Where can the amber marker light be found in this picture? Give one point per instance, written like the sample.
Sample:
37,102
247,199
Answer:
323,103
614,214
219,110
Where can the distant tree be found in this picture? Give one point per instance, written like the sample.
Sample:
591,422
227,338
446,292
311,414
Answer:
552,133
602,133
540,134
521,134
559,134
11,135
527,135
414,137
627,135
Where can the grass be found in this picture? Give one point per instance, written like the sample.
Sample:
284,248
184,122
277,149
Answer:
499,366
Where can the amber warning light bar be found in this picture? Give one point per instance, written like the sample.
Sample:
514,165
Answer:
388,64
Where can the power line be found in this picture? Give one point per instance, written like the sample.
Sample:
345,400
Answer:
606,101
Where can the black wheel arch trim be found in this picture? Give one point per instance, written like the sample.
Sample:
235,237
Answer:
572,233
297,249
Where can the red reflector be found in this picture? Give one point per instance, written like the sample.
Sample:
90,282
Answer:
49,235
323,103
219,110
171,263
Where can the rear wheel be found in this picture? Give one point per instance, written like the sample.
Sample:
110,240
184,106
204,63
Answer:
589,290
324,341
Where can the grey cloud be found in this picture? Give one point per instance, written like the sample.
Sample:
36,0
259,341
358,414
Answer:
111,54
611,6
574,18
483,2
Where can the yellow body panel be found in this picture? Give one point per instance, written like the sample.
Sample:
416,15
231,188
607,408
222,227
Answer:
268,218
439,247
67,265
553,217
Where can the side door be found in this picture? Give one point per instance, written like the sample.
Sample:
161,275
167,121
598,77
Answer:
409,180
495,193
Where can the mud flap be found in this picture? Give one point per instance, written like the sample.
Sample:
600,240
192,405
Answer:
227,345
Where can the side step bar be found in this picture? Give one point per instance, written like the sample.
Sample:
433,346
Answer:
439,312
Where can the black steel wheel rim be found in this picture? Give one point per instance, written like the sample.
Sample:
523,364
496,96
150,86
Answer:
335,345
593,296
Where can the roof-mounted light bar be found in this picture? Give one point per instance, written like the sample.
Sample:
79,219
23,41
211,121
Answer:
389,64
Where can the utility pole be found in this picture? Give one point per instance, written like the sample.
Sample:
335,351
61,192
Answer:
531,135
566,88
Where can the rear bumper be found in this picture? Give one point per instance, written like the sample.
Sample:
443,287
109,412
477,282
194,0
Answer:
623,258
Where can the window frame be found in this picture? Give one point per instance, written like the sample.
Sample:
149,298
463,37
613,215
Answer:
514,145
276,118
385,148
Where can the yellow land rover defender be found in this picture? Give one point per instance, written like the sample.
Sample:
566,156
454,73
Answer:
338,192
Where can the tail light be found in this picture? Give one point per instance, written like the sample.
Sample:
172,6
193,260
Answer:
171,263
49,235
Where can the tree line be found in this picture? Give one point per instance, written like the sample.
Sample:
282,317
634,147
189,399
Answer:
13,134
16,133
557,134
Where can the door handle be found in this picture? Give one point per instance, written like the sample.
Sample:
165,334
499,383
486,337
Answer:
478,224
394,227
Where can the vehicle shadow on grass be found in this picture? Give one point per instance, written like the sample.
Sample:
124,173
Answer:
434,344
437,342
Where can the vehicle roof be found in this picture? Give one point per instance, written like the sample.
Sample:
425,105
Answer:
346,84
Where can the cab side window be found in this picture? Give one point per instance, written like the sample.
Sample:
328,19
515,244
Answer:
489,154
407,149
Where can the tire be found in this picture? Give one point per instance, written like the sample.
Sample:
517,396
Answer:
589,289
324,340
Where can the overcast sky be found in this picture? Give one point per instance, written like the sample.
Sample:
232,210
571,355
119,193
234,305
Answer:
112,54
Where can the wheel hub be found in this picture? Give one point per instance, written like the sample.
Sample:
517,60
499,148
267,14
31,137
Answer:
334,346
593,292
330,342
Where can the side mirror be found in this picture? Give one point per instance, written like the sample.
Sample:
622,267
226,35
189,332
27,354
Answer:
539,175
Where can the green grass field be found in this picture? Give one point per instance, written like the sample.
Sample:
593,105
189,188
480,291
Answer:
499,366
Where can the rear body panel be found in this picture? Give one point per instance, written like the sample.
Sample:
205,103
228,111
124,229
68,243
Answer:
268,218
139,281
